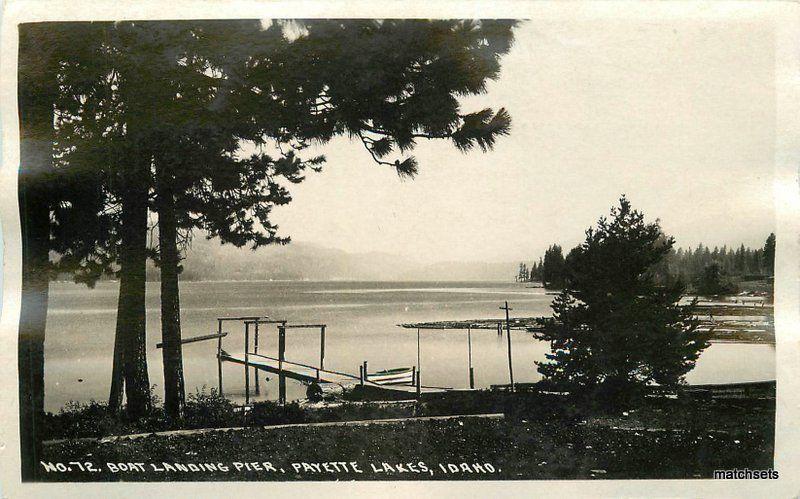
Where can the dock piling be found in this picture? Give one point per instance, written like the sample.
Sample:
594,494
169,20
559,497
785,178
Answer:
246,363
508,333
281,358
469,353
419,365
322,347
219,356
255,350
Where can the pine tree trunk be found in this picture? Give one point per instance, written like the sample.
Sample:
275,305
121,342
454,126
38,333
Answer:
33,316
117,379
36,160
174,391
131,315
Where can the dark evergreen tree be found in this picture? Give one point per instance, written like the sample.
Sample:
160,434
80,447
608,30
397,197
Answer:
37,86
103,113
769,255
159,108
553,268
573,253
44,194
712,282
523,274
536,271
614,330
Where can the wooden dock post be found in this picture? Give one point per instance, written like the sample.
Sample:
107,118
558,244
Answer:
366,378
419,366
281,358
471,371
322,347
246,363
361,374
508,333
255,350
219,356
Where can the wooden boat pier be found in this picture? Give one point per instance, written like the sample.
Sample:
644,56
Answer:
328,380
736,323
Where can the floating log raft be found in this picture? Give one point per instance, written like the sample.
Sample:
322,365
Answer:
746,390
715,309
743,390
520,323
727,322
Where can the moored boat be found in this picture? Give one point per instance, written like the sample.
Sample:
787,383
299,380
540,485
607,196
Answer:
397,376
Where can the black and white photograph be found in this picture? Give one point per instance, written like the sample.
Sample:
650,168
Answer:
312,248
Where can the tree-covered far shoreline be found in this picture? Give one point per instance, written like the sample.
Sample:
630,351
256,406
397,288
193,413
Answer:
692,266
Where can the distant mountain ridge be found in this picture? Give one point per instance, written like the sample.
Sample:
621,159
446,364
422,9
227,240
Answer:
208,260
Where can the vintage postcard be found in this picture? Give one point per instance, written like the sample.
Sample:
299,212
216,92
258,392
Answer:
379,249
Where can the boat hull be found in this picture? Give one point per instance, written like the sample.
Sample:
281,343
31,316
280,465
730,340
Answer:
402,376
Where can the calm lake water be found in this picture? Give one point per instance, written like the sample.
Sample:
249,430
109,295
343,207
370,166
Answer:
361,319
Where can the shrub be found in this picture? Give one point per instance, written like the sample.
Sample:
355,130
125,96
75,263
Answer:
272,413
712,282
208,410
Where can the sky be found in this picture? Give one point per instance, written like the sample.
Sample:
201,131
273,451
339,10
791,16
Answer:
677,115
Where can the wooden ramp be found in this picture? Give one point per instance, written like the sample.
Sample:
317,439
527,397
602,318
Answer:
300,372
309,374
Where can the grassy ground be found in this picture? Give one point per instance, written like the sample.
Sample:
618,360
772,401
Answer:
540,437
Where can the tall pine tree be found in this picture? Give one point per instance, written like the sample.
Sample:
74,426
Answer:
614,330
137,115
